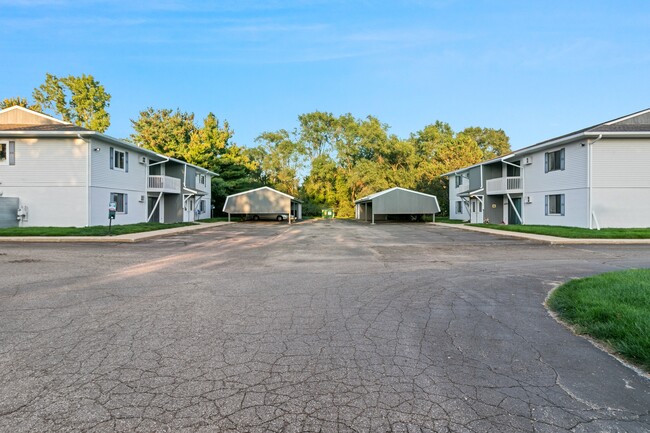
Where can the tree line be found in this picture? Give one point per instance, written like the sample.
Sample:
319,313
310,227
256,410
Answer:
326,160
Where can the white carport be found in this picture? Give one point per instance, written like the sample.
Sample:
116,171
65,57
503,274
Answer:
395,201
263,201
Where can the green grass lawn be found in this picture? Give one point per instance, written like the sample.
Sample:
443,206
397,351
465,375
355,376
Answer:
573,232
88,231
215,220
613,308
446,220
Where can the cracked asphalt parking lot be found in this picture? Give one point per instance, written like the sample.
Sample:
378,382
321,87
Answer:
316,327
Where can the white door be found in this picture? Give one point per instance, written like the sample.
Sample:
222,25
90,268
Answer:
475,211
188,210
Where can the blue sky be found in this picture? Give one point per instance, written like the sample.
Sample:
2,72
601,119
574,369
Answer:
536,69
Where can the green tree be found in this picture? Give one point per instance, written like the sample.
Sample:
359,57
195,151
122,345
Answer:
317,133
493,142
80,100
164,131
281,160
19,101
320,186
208,143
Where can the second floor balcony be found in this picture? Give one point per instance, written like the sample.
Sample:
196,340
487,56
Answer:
164,184
504,185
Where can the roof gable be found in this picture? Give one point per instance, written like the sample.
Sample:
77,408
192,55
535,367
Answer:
261,188
388,191
21,116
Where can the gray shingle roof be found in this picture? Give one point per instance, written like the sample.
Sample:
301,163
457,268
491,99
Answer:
42,128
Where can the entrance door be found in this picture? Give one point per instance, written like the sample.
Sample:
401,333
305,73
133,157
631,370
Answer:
188,212
151,202
475,211
513,219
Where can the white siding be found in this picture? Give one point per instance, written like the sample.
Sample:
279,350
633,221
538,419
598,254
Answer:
104,181
207,198
453,198
50,178
621,182
572,182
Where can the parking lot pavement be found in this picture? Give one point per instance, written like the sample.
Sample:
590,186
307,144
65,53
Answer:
318,326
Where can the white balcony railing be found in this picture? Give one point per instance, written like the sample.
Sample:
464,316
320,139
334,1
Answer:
463,187
504,185
164,184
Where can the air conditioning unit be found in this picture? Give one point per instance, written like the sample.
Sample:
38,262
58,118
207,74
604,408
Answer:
141,199
528,200
143,160
528,160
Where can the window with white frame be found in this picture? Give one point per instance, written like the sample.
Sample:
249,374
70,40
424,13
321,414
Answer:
202,206
121,202
119,160
202,179
459,207
554,161
555,204
459,180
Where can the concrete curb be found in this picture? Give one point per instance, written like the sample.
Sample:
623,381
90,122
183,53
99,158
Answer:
552,240
128,238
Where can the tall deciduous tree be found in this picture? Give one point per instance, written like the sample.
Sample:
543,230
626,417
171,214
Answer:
493,142
80,100
317,133
164,131
281,160
19,101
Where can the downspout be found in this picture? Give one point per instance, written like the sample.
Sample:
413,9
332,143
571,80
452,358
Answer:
590,182
89,174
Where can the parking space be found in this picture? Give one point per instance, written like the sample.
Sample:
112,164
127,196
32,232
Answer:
319,326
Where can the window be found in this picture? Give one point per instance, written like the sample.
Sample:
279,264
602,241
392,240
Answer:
202,206
8,153
555,204
459,207
202,179
473,206
119,160
459,180
121,202
554,160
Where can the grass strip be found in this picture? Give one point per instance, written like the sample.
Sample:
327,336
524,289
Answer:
613,308
572,232
88,231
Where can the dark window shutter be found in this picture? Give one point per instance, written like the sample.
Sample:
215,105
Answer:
562,204
126,203
546,207
12,153
562,161
112,153
546,163
126,162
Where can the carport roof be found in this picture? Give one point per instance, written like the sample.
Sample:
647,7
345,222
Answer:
267,188
380,193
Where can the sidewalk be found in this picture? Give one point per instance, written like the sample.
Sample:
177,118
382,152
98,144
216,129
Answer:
553,240
128,238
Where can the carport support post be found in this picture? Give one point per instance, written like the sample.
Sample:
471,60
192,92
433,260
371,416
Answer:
373,214
228,216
